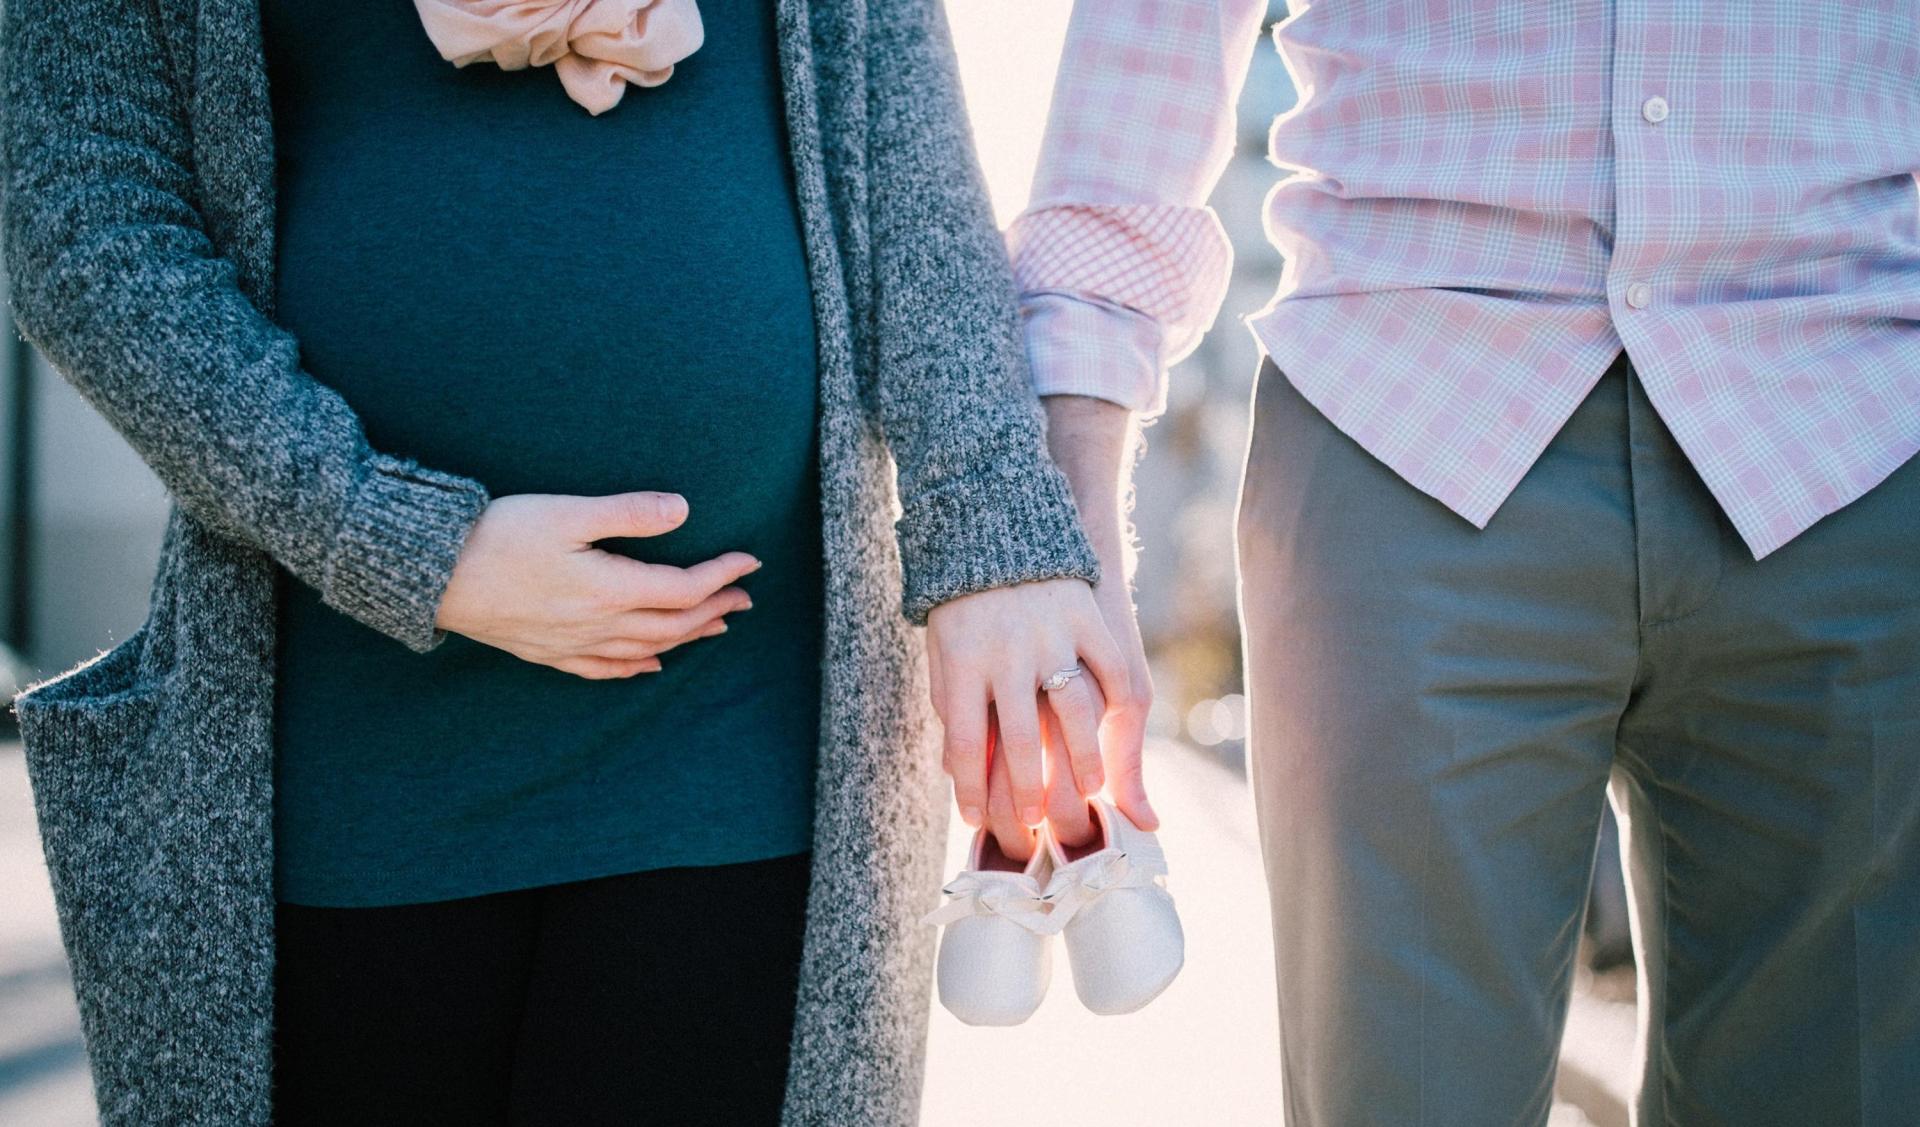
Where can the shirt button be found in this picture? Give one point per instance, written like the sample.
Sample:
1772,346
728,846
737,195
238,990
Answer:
1639,295
1654,109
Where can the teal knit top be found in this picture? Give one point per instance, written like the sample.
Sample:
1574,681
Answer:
505,287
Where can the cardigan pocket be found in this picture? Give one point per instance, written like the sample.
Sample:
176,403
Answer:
97,714
88,736
154,820
82,717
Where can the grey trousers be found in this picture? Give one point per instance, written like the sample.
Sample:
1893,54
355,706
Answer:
1439,712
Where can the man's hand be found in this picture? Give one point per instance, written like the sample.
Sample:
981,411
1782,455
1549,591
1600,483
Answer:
1093,442
1066,801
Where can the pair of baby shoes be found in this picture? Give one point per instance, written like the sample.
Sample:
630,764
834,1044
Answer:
1106,898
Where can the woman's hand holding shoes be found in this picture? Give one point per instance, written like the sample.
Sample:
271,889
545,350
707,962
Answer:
1036,751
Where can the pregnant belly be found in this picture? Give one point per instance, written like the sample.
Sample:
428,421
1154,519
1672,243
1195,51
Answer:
577,373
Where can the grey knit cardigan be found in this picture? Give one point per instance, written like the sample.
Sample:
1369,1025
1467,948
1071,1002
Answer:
138,230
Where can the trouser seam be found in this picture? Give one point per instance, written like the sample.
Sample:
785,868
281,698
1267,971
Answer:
1426,897
1633,526
1642,602
1665,1061
1705,604
1853,919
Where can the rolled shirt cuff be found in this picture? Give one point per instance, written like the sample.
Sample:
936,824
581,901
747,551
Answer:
1079,345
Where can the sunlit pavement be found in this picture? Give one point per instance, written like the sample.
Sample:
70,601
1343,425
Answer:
1204,1053
43,1072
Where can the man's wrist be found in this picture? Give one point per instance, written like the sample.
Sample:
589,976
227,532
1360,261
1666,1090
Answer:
1093,441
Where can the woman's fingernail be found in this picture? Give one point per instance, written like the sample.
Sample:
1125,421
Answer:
716,628
1031,815
970,815
757,565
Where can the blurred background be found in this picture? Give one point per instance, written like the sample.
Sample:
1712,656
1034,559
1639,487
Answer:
82,518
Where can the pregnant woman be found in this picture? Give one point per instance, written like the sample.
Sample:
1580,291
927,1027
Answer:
525,727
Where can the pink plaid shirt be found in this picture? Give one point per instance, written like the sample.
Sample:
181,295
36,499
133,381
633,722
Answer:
1489,200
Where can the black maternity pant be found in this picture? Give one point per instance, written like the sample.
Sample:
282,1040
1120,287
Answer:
654,997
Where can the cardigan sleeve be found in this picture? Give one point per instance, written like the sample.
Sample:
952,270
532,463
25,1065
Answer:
982,504
114,278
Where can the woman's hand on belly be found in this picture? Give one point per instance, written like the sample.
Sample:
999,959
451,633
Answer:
530,581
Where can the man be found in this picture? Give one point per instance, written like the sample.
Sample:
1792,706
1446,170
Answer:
1580,460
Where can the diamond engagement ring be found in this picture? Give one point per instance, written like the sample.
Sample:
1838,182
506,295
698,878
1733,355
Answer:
1059,680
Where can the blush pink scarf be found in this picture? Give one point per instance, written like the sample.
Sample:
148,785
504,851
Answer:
595,46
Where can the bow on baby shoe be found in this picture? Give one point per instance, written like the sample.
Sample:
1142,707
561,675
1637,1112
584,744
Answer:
1075,886
975,894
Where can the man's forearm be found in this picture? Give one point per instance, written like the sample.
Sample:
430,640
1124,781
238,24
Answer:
1094,442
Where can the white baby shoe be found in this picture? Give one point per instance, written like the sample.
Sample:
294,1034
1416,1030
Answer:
996,954
1123,936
